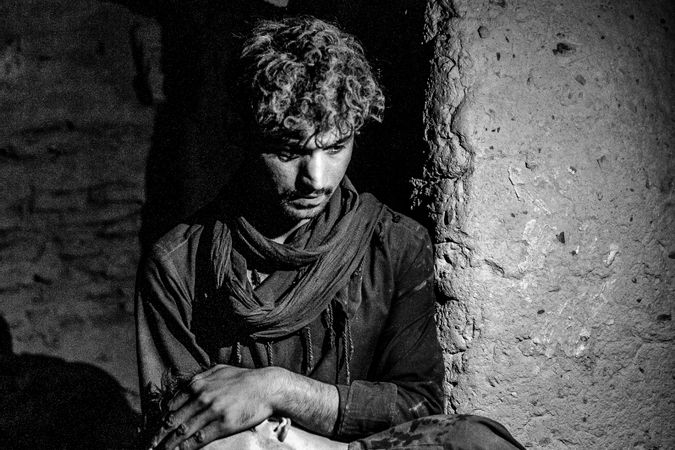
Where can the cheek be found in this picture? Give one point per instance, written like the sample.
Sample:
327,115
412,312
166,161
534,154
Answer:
340,166
280,175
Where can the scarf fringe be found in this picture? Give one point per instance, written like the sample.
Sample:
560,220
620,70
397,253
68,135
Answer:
309,350
349,349
330,318
235,357
268,350
344,347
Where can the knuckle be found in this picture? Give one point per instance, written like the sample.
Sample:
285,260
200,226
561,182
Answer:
223,419
203,400
220,404
196,377
214,411
169,420
199,437
196,386
187,444
194,441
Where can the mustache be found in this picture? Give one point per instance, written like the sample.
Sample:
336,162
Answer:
295,194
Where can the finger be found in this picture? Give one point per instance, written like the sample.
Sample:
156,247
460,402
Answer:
193,388
175,422
182,407
178,400
188,429
212,431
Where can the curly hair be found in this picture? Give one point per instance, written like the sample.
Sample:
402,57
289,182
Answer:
304,75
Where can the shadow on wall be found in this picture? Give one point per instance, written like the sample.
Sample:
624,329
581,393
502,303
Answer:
46,402
193,152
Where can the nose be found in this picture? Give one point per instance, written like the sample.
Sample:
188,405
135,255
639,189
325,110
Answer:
313,171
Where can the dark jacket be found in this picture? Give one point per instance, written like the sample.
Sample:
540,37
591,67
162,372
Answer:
382,353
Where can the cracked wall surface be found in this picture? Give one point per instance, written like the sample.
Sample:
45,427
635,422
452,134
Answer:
549,180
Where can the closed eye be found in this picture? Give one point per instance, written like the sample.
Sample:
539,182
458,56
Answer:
287,155
335,149
338,146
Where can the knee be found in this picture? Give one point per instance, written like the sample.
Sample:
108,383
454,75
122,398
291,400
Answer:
477,432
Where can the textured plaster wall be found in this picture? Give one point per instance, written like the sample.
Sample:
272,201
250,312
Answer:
73,144
549,178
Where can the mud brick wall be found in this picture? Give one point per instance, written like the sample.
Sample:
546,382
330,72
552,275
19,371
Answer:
549,178
73,144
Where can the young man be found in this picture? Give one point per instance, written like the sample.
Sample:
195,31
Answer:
292,295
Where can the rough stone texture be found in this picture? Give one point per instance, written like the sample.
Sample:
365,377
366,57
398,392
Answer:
550,181
73,143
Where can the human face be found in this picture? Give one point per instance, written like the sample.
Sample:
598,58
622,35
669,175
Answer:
300,175
267,435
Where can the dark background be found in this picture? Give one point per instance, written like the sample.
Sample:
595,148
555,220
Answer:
115,126
193,152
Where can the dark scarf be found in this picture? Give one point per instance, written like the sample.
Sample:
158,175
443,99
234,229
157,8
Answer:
309,271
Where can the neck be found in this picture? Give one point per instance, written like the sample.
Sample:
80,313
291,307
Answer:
280,239
273,226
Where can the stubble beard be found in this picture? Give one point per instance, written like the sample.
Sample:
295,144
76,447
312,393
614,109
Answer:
291,207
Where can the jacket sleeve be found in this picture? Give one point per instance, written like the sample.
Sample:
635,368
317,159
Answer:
406,378
165,343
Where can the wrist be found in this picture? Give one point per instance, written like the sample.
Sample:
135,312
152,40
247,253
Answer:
310,403
277,381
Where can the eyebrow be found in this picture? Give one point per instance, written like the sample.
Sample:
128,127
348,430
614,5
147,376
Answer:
293,142
340,141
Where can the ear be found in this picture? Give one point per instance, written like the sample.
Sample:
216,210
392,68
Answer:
282,427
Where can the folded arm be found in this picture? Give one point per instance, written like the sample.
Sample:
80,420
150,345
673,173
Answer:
404,382
226,400
220,400
406,375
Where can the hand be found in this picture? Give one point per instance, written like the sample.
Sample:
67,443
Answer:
217,403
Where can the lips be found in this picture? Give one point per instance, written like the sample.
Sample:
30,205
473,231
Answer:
311,201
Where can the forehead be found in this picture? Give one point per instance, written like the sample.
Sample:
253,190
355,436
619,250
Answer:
309,139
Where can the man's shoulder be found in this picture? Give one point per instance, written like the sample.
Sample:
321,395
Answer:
178,237
399,230
403,246
403,224
183,238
